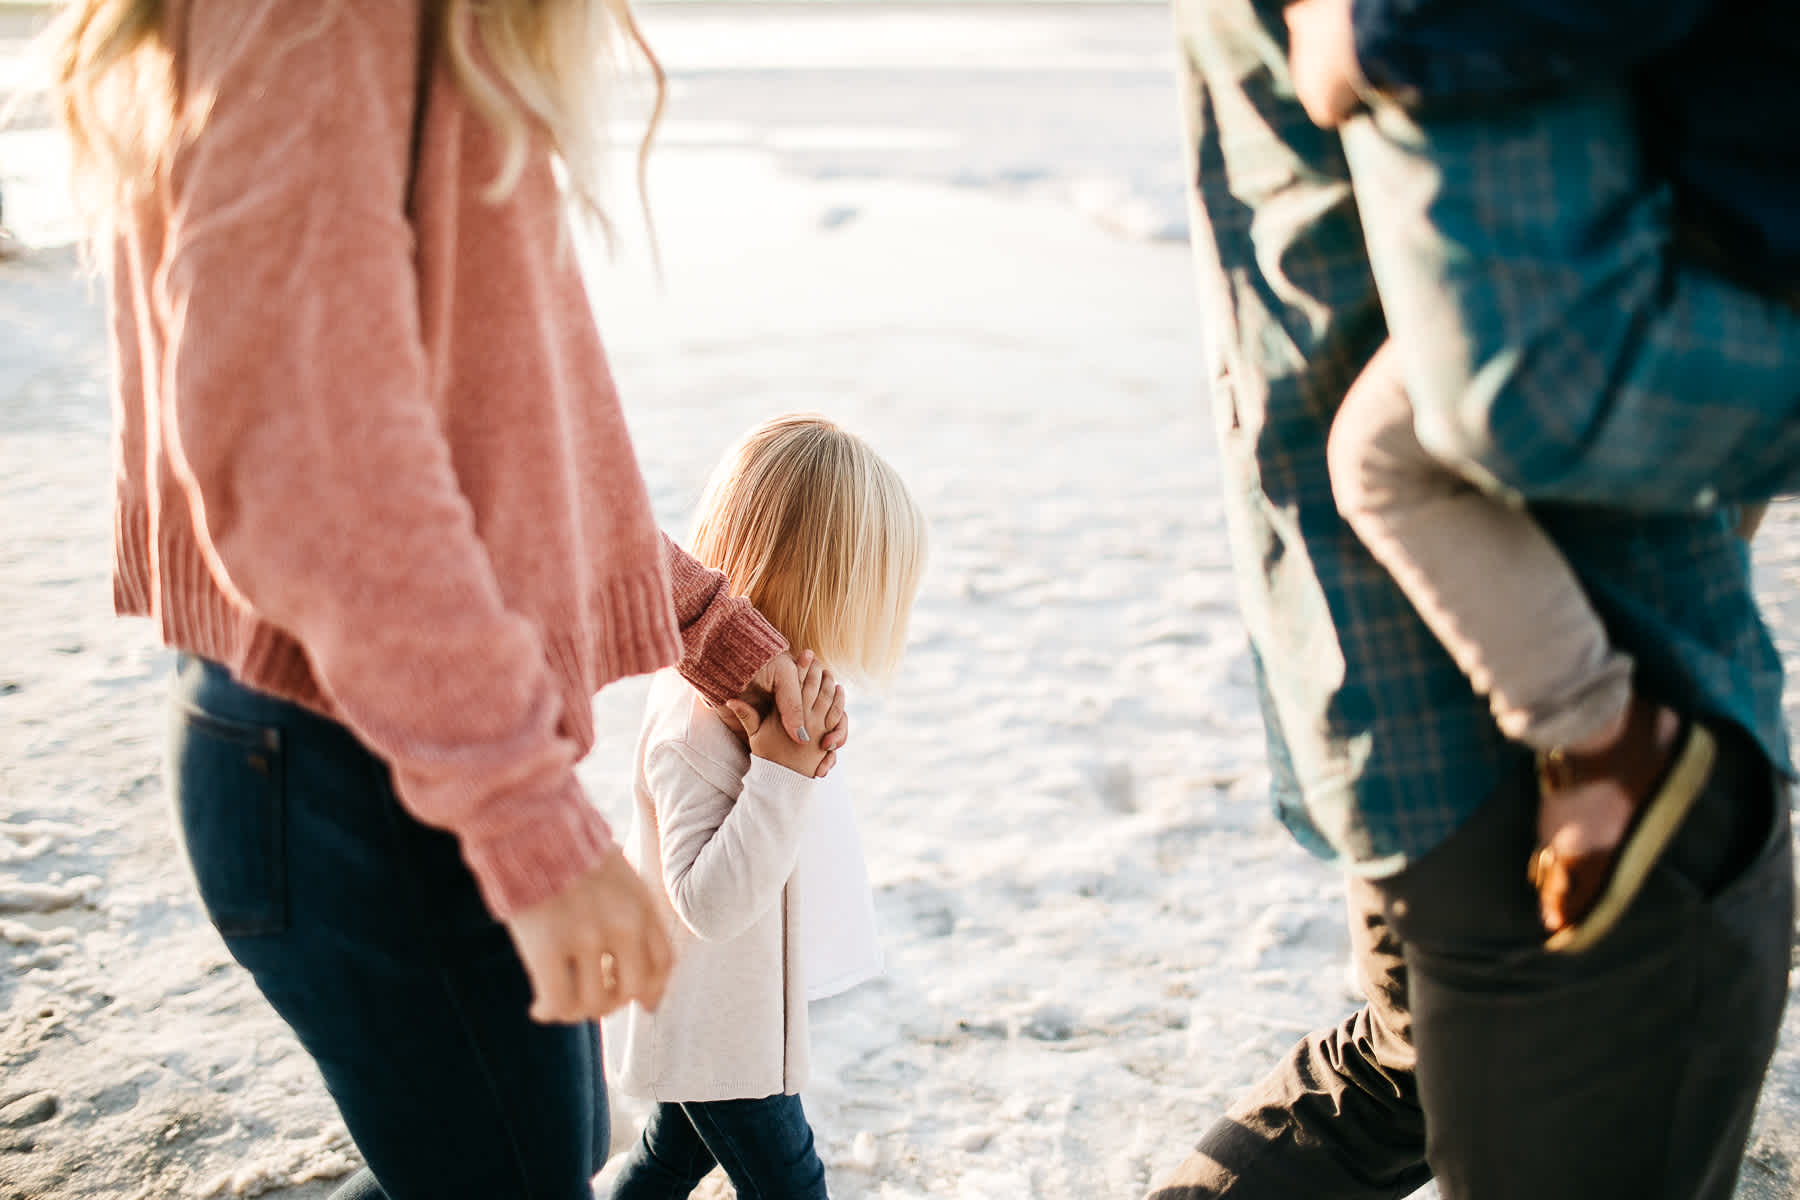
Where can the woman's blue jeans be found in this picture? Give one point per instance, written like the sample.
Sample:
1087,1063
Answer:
365,931
765,1146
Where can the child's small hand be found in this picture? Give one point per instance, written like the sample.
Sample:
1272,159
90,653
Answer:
819,693
777,684
1322,60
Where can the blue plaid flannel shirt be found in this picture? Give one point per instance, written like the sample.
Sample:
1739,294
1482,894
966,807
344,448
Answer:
1712,81
1379,746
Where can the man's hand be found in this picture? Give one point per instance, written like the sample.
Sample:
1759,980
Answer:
819,696
1322,60
778,684
594,946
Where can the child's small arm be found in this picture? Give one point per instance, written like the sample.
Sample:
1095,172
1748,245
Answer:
725,860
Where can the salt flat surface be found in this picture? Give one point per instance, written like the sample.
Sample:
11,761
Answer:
957,231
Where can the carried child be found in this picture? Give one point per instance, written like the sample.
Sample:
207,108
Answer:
820,534
1560,345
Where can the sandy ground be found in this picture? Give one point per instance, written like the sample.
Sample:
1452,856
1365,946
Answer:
956,230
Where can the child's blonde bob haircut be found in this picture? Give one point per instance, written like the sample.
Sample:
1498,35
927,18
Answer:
817,531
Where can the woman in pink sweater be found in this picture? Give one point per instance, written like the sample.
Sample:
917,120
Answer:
373,480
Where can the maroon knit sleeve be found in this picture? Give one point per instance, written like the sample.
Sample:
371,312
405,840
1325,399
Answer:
724,640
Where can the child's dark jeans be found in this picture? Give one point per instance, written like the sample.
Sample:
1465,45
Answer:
765,1146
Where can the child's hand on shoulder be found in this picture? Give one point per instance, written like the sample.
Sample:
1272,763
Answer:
768,739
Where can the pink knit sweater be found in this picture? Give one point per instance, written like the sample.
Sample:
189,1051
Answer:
373,461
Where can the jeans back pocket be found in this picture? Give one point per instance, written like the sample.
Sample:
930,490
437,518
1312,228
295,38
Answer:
227,779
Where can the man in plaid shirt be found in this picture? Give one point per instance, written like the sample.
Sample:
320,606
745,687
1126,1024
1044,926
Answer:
1632,1070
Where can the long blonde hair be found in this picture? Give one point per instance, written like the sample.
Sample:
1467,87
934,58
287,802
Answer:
113,83
820,533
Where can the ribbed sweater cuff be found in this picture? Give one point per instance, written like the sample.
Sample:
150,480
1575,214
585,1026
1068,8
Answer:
131,559
729,661
639,633
534,858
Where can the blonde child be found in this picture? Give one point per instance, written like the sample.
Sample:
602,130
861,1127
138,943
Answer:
820,534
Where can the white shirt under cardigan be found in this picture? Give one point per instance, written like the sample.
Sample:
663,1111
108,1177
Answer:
839,945
718,834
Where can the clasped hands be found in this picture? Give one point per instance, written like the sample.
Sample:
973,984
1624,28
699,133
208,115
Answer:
599,944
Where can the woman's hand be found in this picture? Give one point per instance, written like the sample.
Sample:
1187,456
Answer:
819,697
593,947
778,685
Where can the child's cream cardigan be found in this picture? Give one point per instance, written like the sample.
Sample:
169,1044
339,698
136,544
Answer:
716,835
